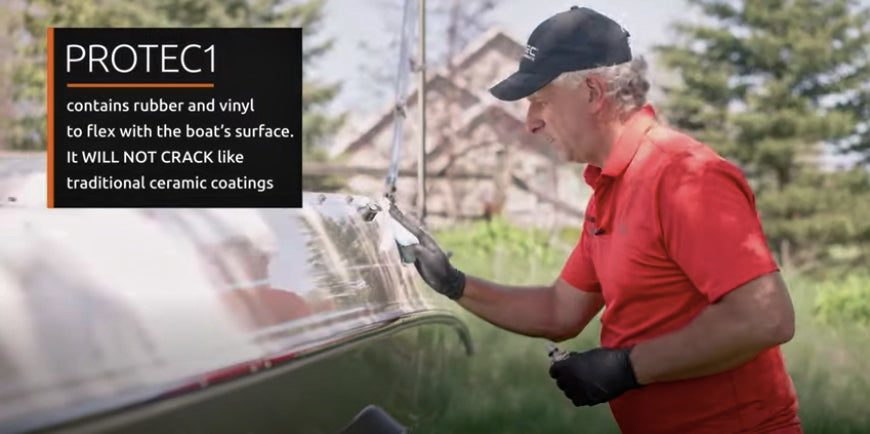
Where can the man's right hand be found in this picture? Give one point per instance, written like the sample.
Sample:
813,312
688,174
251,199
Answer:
431,262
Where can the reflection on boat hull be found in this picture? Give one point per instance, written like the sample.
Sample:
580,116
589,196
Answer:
398,370
210,320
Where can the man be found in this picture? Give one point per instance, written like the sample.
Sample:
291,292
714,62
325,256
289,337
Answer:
671,246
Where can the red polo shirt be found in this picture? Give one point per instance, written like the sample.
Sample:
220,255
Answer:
671,227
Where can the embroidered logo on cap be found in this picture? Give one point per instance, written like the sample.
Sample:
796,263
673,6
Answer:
530,52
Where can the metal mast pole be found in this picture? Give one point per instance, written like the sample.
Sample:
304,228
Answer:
421,103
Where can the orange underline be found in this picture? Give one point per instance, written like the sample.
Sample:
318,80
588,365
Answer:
49,100
140,85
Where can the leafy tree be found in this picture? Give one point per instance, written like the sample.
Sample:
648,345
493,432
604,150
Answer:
768,84
10,27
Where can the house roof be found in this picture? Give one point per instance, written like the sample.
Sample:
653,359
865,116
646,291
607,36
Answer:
479,45
385,117
487,112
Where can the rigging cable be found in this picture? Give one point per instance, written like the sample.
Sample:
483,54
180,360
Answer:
402,78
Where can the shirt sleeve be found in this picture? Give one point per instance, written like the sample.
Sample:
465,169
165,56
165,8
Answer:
579,270
711,227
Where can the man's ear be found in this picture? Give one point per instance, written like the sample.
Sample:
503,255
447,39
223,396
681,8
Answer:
596,88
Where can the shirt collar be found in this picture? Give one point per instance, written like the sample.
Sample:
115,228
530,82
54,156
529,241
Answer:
625,147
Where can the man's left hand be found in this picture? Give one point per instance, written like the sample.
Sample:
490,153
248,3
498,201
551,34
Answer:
595,376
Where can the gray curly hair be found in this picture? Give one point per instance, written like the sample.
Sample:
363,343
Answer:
627,85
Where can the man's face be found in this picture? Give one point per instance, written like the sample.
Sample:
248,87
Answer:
565,116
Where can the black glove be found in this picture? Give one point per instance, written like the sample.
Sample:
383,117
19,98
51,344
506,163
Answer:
594,376
430,260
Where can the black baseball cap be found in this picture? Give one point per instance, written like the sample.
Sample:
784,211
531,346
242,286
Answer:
577,39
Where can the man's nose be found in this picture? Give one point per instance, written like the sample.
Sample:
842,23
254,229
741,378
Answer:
533,123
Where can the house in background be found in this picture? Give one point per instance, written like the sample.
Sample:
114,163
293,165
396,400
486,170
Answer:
483,161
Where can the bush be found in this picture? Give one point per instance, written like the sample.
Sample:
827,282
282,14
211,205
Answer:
487,237
844,301
508,253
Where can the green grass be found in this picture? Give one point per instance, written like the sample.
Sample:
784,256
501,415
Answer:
505,387
829,366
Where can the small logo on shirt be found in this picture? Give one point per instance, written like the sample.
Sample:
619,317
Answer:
593,230
621,228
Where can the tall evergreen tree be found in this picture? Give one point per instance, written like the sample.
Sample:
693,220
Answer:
769,84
